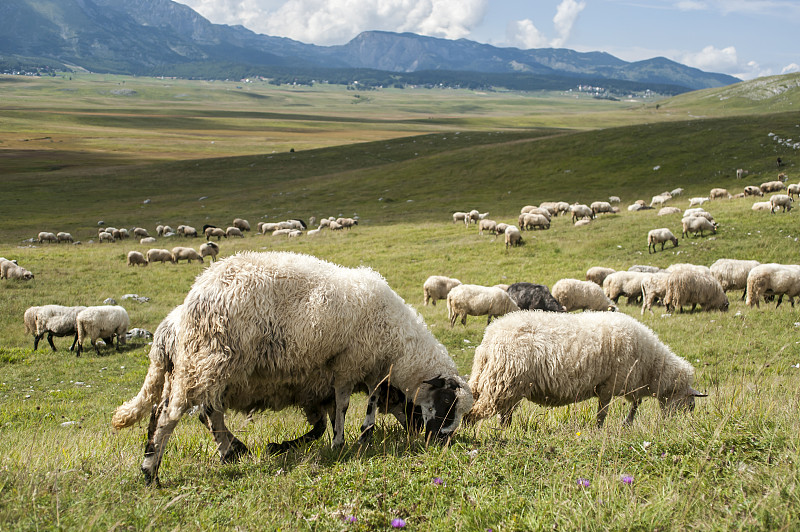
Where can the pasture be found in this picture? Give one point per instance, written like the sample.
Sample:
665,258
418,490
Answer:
732,464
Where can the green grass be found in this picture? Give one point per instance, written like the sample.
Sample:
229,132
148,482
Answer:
732,464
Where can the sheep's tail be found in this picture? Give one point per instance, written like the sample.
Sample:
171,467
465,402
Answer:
135,409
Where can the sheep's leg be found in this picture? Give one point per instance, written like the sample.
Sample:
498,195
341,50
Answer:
229,447
634,407
36,339
162,422
53,346
75,341
342,404
604,398
96,349
780,300
368,426
505,418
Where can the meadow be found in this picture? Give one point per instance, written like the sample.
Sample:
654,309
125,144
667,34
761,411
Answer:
402,161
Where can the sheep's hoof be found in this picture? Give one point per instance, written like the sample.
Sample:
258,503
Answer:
235,452
150,480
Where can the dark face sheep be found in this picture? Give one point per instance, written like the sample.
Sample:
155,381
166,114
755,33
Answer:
530,296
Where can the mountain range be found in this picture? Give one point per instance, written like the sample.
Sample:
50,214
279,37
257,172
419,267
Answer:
162,37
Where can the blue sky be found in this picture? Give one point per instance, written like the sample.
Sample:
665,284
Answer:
744,38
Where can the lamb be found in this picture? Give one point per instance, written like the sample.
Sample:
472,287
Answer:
53,320
475,300
103,321
159,255
780,201
487,225
601,207
285,232
12,271
562,359
136,258
696,224
660,236
323,331
581,295
773,279
180,253
687,286
140,232
666,211
231,232
654,288
313,232
580,211
628,284
597,274
215,231
697,201
209,249
530,296
719,193
751,190
437,287
147,240
772,186
762,206
64,237
241,224
513,236
677,192
45,236
732,273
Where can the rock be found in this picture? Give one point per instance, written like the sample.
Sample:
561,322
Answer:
109,301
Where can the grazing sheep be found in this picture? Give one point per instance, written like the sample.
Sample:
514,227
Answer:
581,295
147,240
677,192
697,201
654,288
12,271
103,321
215,231
437,287
513,236
64,237
180,253
699,212
501,228
487,225
580,211
644,268
209,249
597,274
696,224
53,320
159,255
474,300
527,208
136,258
780,201
660,236
660,199
461,217
687,266
534,221
762,206
123,234
530,296
628,284
324,330
772,186
614,199
285,232
550,206
189,231
687,286
347,223
666,211
751,190
45,236
773,279
732,273
241,224
313,232
581,223
719,193
562,359
599,207
793,190
231,232
140,232
159,230
269,227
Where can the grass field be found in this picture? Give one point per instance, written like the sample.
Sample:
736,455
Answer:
732,464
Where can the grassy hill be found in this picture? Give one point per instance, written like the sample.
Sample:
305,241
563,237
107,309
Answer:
731,464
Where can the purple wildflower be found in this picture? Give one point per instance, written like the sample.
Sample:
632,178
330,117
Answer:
438,481
627,479
398,523
583,482
351,519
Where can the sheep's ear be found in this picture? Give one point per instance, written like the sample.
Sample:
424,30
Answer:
436,382
695,393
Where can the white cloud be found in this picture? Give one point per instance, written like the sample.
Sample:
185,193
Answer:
525,35
712,59
328,22
691,5
788,69
566,14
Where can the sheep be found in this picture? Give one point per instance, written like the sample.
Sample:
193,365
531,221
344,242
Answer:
644,268
740,173
780,201
64,237
459,216
660,199
136,258
45,236
335,226
773,279
147,240
123,234
53,320
534,221
487,225
269,227
562,359
762,206
580,211
751,190
168,231
241,224
562,207
550,206
500,229
601,207
696,224
140,232
660,236
189,231
214,231
614,199
180,253
666,211
628,284
159,255
677,192
231,232
323,331
597,274
294,233
719,193
687,266
322,224
209,249
347,223
103,321
530,296
699,212
437,287
581,295
654,288
772,186
697,201
313,232
12,271
581,223
159,230
473,216
732,273
513,236
285,232
475,300
528,208
687,286
793,190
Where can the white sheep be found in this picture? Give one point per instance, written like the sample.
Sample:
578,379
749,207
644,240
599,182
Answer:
614,199
159,255
584,222
209,249
474,216
159,230
556,359
752,190
581,295
46,236
654,288
550,206
580,211
660,199
437,287
762,206
487,225
773,279
140,232
189,231
147,240
719,193
501,228
625,283
697,201
732,273
677,192
513,236
12,271
666,211
53,320
323,331
459,216
180,253
136,258
231,232
313,232
599,207
474,300
241,224
688,286
64,237
772,186
696,224
105,321
215,232
597,274
793,190
534,221
660,236
780,201
644,268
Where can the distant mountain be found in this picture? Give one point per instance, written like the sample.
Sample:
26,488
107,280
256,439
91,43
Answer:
157,37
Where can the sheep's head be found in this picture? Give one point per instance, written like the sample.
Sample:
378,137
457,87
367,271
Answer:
443,402
680,401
